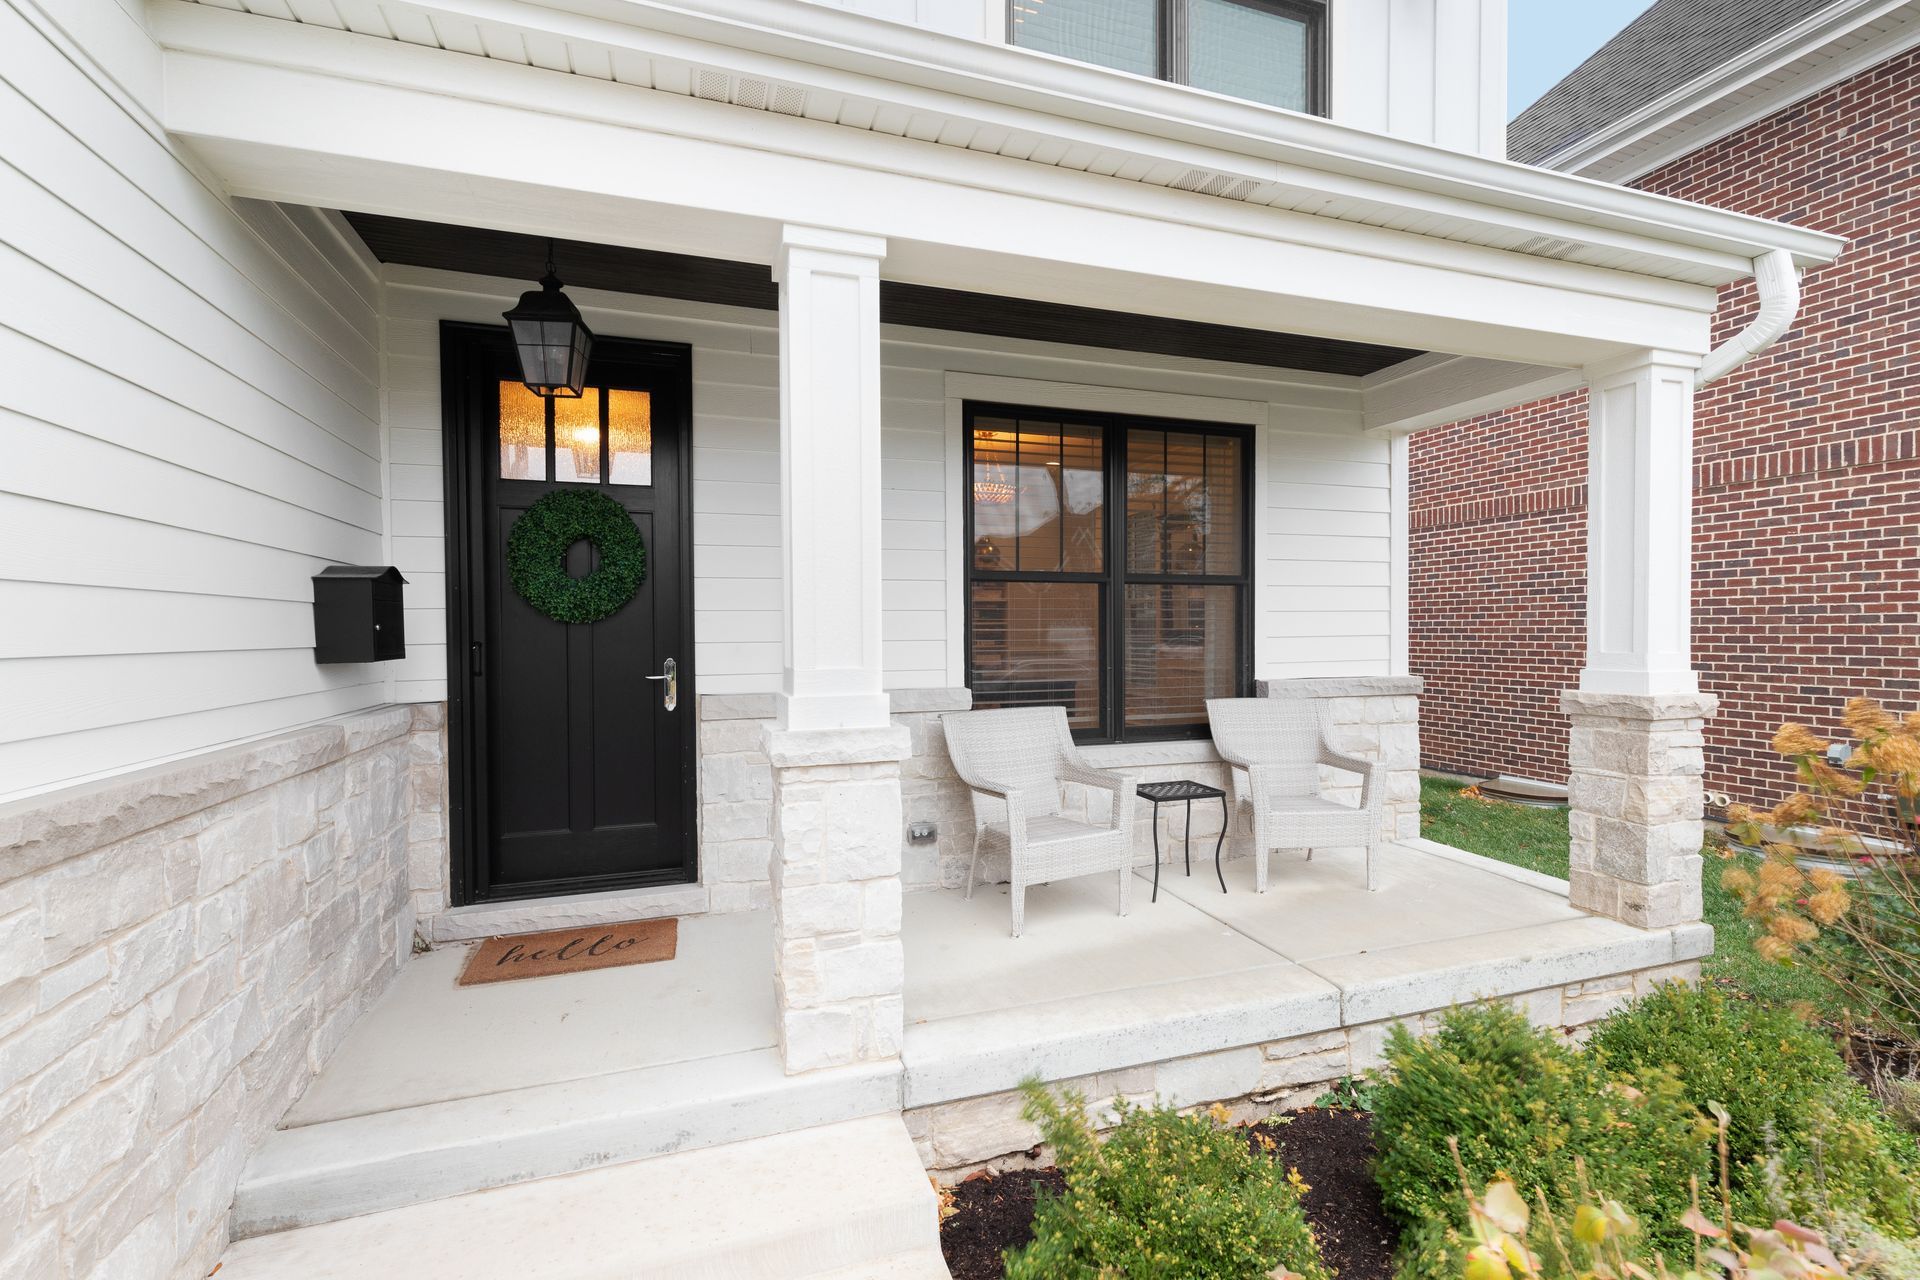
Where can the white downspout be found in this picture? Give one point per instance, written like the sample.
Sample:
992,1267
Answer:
1779,284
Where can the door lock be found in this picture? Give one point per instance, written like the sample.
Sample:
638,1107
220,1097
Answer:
669,672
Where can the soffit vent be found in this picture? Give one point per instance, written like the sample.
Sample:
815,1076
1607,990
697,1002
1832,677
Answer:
1208,183
749,91
788,101
1547,247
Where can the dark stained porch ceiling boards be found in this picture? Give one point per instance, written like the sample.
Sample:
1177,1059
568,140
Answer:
479,251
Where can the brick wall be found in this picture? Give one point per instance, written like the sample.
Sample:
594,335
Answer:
1807,488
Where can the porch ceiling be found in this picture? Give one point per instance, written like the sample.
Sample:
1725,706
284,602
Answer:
617,268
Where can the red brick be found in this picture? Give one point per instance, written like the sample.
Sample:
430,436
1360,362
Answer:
1806,484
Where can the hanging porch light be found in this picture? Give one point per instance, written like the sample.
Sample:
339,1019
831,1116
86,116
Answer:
552,339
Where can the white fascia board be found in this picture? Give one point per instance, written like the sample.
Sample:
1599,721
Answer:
1435,389
1145,107
1616,154
821,47
390,128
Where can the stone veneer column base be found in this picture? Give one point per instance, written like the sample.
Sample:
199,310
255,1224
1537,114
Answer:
1374,718
837,825
1634,785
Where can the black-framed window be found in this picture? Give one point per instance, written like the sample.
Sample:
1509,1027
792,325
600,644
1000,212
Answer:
1271,51
1109,567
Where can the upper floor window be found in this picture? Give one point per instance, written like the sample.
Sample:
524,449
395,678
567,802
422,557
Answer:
1268,51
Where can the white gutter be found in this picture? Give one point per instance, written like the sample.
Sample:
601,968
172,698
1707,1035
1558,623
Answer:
1778,281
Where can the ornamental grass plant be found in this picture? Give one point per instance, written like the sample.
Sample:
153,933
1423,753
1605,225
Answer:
1165,1197
1862,930
1599,1239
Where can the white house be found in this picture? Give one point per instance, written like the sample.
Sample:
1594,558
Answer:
946,352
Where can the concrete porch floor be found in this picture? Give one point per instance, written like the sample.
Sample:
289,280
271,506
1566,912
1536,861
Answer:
442,1089
1085,991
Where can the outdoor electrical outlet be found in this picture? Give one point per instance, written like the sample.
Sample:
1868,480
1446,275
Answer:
921,832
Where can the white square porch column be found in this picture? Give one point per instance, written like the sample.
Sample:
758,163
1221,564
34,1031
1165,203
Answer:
1635,756
838,966
830,477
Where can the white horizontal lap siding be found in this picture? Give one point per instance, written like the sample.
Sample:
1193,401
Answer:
736,481
1326,548
192,417
734,455
1322,552
914,623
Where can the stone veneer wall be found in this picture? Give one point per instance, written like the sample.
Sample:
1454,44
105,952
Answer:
955,1138
736,795
1374,718
180,949
429,827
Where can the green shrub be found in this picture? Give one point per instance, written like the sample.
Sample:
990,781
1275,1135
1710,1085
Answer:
1806,1141
1166,1197
1523,1106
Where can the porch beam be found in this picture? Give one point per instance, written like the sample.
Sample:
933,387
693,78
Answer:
382,128
953,84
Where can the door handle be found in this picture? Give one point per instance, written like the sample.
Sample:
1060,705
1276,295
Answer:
669,672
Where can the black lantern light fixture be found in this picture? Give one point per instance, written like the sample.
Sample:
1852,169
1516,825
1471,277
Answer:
552,339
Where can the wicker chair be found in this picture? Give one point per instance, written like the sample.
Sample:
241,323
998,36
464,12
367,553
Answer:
1016,761
1276,747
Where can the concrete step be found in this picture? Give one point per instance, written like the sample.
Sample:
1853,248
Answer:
845,1201
362,1164
920,1264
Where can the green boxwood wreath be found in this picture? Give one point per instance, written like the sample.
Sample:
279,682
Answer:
537,552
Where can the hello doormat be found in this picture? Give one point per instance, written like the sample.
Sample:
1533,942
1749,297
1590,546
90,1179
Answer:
599,946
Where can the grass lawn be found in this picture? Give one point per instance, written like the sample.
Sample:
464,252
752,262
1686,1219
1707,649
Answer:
1537,839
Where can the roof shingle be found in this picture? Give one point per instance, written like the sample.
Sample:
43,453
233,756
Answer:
1670,44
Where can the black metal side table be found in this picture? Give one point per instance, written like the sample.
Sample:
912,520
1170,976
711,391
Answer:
1169,792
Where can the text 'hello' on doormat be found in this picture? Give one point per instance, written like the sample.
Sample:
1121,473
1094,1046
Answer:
598,946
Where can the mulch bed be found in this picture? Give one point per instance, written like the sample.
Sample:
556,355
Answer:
992,1213
1333,1150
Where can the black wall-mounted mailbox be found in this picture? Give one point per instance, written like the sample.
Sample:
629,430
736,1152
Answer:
357,614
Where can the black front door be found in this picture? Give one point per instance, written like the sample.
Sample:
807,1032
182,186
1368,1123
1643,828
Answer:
573,765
